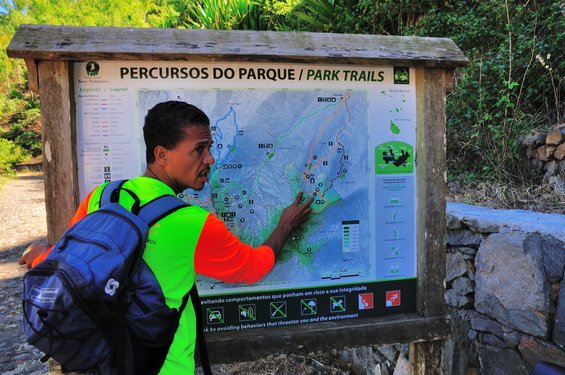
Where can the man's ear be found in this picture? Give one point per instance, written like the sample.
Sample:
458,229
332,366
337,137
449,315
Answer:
160,153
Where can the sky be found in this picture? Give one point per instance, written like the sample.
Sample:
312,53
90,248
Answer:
3,7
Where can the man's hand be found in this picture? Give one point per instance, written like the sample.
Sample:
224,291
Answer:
291,219
31,252
296,214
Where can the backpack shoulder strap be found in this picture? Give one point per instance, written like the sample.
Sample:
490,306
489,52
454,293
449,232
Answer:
111,194
150,212
202,348
106,196
159,208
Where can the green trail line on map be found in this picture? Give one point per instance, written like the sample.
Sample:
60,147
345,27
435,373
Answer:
294,247
214,181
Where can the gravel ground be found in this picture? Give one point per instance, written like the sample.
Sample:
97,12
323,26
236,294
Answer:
22,221
22,213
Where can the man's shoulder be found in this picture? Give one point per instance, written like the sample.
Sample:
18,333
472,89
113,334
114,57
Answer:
147,188
185,219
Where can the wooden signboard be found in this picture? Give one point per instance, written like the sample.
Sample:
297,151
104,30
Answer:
356,121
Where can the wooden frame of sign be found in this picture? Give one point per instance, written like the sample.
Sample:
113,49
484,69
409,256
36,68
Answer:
49,52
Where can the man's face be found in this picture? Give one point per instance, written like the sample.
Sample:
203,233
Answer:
188,164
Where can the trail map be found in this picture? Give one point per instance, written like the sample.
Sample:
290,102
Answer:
268,146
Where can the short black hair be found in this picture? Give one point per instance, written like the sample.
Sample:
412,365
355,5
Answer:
164,124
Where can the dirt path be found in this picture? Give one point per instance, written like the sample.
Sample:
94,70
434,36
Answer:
22,220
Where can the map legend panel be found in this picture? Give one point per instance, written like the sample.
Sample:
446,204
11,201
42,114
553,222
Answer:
350,236
395,217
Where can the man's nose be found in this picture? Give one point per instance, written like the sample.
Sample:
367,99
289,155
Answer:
210,159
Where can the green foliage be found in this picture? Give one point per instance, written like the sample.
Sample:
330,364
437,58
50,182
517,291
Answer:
21,114
33,104
20,133
385,17
221,15
334,16
85,13
11,154
16,94
280,15
19,109
503,93
136,13
513,84
318,14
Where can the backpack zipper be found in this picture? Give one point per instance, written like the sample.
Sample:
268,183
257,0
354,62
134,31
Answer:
83,240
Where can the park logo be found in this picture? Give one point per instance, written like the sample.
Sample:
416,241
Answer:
92,68
401,75
392,298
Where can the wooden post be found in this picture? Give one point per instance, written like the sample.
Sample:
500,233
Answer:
431,83
32,75
430,175
426,358
58,133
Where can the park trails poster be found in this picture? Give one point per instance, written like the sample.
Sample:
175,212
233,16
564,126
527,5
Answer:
344,135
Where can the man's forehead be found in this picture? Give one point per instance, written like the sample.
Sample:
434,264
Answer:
199,133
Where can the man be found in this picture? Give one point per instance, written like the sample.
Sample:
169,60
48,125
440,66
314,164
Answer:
189,241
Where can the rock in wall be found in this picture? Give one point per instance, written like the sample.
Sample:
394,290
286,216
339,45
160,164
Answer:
505,289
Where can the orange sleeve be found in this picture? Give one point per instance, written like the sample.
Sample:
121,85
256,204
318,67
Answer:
81,212
221,255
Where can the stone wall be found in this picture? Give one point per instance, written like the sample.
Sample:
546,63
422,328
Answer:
545,152
505,290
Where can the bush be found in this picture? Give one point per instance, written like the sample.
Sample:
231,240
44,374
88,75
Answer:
16,94
10,155
29,141
505,91
21,131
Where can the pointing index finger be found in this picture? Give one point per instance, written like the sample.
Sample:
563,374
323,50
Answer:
298,198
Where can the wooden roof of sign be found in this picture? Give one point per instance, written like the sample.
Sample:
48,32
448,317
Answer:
47,42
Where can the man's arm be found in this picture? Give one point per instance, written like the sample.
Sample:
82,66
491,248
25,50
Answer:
37,251
31,252
221,255
291,219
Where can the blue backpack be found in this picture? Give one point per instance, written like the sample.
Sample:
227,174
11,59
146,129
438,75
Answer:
93,304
